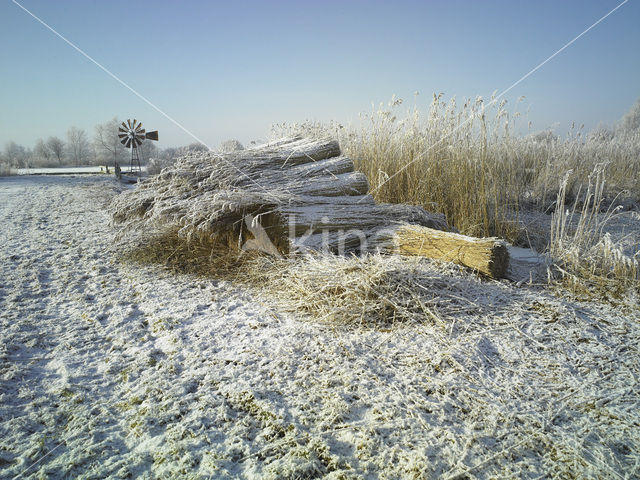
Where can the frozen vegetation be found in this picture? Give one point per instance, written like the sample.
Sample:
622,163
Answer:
115,369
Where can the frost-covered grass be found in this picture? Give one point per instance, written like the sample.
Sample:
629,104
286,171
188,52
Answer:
589,261
115,369
464,160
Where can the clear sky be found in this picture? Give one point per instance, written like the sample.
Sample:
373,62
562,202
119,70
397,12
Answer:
231,69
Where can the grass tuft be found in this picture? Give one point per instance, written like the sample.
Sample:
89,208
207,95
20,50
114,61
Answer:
588,260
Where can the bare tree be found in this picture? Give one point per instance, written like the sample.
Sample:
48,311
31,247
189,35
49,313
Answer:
77,145
56,146
107,144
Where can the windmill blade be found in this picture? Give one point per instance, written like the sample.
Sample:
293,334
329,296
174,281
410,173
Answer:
139,126
122,135
141,133
124,126
138,140
133,124
128,142
129,123
123,129
152,135
124,141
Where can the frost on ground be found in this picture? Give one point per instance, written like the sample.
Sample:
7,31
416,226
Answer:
112,369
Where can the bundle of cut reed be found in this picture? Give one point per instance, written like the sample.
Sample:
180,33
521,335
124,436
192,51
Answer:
290,195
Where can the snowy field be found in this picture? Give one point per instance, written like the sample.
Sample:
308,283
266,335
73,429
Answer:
72,170
60,170
113,370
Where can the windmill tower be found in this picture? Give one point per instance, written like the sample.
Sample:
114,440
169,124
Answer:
131,135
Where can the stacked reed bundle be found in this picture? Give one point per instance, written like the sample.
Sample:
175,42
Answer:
290,195
488,256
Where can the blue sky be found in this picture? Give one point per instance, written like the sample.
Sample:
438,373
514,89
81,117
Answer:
231,69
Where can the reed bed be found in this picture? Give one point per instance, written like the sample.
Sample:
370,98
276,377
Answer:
467,161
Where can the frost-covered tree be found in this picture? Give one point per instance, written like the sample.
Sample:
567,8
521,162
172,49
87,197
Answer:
630,122
148,150
42,155
194,147
164,157
109,150
5,168
77,145
56,146
16,155
231,145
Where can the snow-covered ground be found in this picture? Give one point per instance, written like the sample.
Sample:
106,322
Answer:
106,169
114,370
61,170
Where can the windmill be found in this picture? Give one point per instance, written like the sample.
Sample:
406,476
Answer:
131,135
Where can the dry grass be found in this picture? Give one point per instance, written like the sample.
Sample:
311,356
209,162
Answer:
467,163
366,291
373,290
589,262
209,256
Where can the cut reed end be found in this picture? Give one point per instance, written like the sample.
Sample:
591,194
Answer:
488,256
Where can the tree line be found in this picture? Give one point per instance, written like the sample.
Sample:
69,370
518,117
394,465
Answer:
79,149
